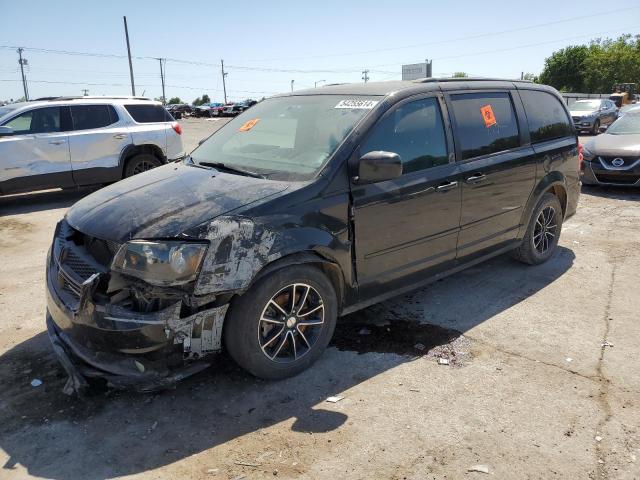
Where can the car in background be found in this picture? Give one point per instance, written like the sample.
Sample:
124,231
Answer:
589,115
613,158
74,141
178,110
212,109
233,110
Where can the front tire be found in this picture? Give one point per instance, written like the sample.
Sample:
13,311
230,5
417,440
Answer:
141,163
596,127
283,323
541,239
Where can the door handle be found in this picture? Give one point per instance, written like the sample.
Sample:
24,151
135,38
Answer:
421,192
443,187
477,178
57,142
120,136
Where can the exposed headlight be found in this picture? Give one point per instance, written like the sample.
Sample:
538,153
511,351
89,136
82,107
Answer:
587,155
160,263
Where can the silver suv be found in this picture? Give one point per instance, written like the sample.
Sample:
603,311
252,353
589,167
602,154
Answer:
69,142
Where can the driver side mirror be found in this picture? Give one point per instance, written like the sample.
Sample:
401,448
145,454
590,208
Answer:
379,166
6,131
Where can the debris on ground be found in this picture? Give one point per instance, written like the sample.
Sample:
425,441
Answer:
598,438
213,471
443,361
607,344
334,399
248,464
414,389
478,468
36,382
569,359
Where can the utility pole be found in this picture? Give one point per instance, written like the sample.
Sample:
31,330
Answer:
521,75
85,92
23,62
365,75
292,85
224,83
126,34
162,67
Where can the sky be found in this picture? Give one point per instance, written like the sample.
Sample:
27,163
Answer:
267,44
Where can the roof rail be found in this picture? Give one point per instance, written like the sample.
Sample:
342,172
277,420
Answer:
96,97
468,79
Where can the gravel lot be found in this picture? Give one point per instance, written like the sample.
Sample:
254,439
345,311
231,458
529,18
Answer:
543,379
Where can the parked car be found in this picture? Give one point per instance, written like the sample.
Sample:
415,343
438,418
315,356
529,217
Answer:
69,142
589,115
209,110
233,110
178,110
305,208
614,157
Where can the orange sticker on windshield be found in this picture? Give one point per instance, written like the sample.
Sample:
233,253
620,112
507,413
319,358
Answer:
249,125
488,116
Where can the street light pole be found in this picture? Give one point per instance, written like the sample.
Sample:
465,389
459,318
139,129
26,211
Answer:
292,85
23,62
162,64
365,75
224,85
126,34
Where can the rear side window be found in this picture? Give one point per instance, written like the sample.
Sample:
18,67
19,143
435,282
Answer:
149,113
546,116
485,123
40,120
415,132
86,117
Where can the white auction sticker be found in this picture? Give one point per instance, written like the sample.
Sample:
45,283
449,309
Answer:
362,104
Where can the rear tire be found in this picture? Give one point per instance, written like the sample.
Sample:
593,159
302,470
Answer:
596,127
141,163
541,239
272,337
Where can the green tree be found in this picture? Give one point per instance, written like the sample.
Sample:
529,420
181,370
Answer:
612,61
594,68
564,69
174,100
531,77
460,75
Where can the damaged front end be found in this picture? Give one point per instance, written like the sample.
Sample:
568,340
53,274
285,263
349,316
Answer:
133,330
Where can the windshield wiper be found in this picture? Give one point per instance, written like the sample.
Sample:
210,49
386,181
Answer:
228,168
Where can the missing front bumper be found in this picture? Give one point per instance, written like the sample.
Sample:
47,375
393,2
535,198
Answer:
130,350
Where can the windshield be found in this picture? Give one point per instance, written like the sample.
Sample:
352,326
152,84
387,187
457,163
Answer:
286,138
629,124
585,105
5,110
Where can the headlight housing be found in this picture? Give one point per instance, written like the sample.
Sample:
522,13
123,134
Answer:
160,263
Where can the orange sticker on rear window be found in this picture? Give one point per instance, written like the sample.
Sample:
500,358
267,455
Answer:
248,125
488,116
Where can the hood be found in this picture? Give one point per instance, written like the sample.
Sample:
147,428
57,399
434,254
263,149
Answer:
582,113
610,145
165,201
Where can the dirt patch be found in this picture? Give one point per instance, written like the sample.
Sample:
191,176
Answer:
12,225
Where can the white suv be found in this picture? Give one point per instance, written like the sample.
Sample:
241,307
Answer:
68,142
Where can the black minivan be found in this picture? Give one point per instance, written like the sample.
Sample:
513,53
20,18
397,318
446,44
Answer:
306,207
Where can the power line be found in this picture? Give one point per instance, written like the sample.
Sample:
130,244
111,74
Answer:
456,39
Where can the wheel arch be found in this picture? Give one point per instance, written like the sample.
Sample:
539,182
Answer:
131,151
329,267
554,183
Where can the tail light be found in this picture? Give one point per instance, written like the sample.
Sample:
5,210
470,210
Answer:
580,157
178,129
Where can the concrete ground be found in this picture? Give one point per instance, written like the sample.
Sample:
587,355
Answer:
542,380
